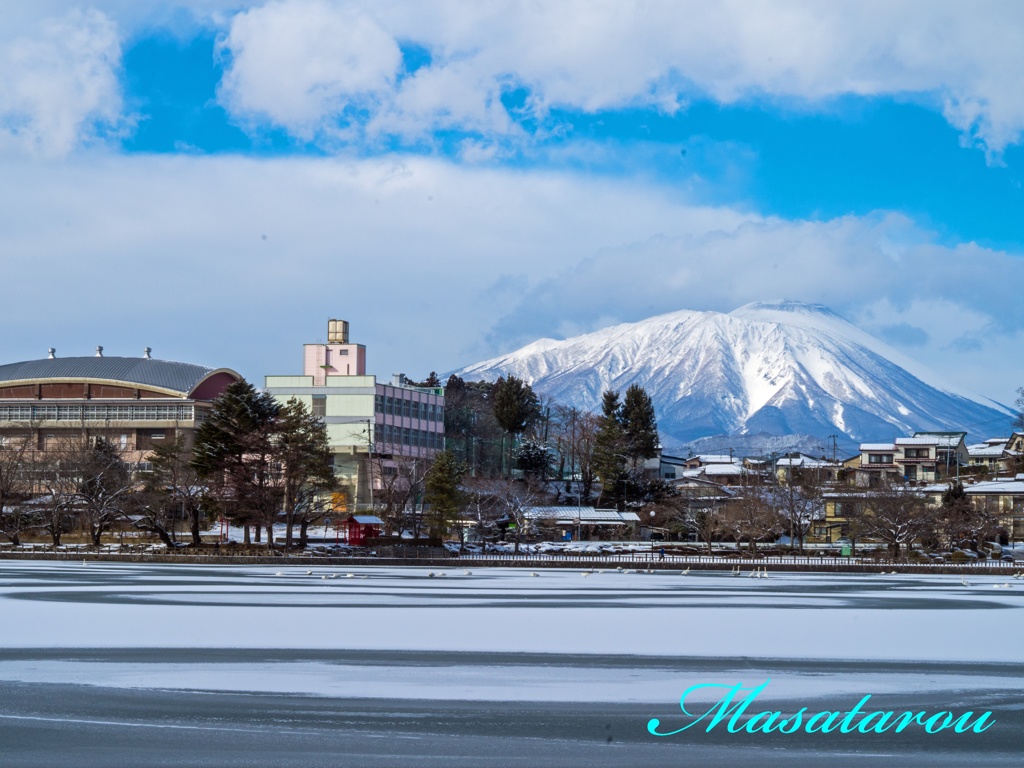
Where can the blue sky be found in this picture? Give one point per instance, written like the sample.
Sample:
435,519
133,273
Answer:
457,179
848,155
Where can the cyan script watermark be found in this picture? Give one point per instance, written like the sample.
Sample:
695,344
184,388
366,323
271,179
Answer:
731,710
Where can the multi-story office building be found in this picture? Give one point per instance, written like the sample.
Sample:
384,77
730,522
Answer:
371,426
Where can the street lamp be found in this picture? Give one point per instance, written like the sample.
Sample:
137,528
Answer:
652,534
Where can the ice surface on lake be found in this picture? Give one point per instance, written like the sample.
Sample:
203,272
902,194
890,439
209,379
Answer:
785,616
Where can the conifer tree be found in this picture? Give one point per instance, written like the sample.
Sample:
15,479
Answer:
233,453
307,473
516,406
609,456
443,493
639,426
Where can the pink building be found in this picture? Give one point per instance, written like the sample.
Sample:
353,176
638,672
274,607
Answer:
372,427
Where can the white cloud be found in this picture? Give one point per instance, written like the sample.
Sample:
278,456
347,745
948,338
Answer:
299,61
167,252
292,63
881,271
301,64
437,266
59,87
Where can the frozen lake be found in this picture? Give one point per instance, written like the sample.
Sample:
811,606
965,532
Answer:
113,663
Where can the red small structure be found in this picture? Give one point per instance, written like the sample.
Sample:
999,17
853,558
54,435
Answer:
359,528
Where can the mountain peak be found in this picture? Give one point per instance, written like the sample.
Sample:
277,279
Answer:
783,367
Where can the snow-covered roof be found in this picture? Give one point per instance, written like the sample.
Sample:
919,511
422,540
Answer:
367,519
583,515
715,458
804,461
984,450
945,439
916,441
997,441
877,447
717,470
996,487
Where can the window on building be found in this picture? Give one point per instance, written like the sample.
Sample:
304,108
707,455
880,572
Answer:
879,458
320,406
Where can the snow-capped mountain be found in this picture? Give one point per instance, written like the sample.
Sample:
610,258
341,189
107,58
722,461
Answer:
782,368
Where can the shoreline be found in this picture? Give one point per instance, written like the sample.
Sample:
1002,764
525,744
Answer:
692,562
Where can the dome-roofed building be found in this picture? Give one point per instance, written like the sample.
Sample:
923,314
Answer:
134,402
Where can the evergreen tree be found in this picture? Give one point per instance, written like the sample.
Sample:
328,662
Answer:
471,431
639,426
516,406
533,458
609,450
307,471
443,493
233,453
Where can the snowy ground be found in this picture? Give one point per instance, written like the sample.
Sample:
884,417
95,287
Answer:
442,661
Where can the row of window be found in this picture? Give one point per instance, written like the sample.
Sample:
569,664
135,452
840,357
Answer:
413,438
410,409
916,453
887,458
96,413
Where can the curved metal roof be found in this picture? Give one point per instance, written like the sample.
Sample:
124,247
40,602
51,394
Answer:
140,371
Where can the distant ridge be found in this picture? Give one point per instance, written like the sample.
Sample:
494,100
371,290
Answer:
783,368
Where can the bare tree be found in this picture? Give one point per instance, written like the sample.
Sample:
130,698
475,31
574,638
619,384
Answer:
16,465
698,511
751,517
799,500
400,483
964,523
154,510
17,517
173,489
104,483
574,433
56,477
507,502
897,516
